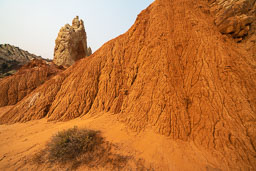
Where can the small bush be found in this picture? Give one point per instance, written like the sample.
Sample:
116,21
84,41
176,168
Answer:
74,147
70,144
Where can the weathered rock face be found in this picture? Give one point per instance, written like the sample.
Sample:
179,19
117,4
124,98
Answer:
237,18
12,58
89,51
71,43
173,72
14,88
234,17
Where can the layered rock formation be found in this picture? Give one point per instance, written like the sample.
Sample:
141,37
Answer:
71,43
171,71
237,18
29,77
12,58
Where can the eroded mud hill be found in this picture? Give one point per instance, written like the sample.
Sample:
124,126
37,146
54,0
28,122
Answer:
30,76
174,71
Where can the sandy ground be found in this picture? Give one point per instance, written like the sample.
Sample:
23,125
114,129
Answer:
20,141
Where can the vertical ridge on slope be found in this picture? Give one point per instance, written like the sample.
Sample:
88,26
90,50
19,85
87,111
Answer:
172,71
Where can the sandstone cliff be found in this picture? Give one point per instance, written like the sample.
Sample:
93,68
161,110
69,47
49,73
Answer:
71,43
171,71
12,58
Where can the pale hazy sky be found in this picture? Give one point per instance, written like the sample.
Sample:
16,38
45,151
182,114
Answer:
33,25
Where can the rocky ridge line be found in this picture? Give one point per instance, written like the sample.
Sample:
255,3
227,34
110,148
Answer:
12,58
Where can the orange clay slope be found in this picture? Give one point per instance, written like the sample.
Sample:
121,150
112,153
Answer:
30,76
172,71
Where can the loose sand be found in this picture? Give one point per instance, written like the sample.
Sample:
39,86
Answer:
21,141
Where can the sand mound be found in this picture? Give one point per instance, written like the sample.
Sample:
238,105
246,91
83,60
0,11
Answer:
173,71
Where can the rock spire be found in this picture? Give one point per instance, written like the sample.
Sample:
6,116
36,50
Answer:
71,43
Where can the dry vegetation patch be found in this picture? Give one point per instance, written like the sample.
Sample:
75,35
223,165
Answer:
72,143
75,147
